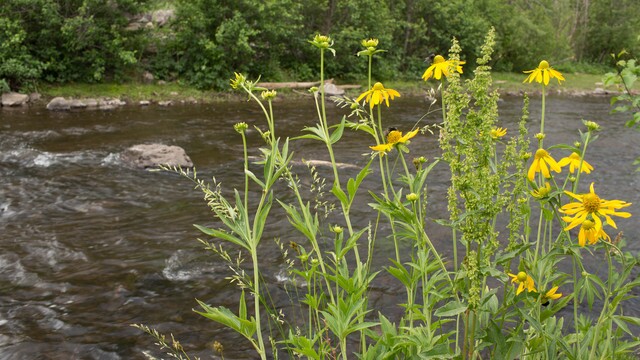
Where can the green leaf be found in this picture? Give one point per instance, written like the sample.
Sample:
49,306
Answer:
222,235
337,133
451,309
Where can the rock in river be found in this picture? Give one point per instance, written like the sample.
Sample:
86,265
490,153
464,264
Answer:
14,99
151,155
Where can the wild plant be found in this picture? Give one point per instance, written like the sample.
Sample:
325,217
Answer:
513,216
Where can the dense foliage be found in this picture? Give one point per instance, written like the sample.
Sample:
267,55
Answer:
206,40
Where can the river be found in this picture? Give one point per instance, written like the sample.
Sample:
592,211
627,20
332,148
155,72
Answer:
89,246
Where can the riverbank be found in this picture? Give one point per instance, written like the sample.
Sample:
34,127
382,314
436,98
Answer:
506,83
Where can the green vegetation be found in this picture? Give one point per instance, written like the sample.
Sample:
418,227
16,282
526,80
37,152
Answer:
205,41
499,295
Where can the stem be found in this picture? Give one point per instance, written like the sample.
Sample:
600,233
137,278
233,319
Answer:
542,115
574,188
256,290
246,168
453,228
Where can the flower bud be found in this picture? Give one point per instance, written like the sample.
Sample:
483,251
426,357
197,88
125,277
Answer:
240,127
412,197
269,94
540,136
592,125
337,229
369,43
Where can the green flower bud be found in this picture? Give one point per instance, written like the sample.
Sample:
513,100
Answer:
240,127
269,94
540,136
412,197
337,229
591,125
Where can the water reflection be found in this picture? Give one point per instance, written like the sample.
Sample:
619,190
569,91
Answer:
89,246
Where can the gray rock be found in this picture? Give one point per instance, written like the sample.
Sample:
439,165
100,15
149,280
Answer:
165,103
77,104
58,104
14,99
148,77
33,97
144,102
332,90
163,16
91,102
145,156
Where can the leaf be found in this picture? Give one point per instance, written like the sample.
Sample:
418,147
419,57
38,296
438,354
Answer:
337,133
222,235
450,309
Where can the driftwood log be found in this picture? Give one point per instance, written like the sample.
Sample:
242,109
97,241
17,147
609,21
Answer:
302,85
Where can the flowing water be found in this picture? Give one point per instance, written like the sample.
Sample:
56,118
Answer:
89,246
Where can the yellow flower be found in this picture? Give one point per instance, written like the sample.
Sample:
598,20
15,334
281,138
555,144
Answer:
590,230
591,204
551,295
524,281
542,74
542,162
497,133
441,66
377,94
394,137
573,161
542,192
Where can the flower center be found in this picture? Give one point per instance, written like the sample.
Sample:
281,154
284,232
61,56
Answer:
378,86
438,59
588,225
394,136
543,64
591,202
540,153
522,276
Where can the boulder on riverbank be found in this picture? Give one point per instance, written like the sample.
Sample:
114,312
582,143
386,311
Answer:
144,156
14,99
59,104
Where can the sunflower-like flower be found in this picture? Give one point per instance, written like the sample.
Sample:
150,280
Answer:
590,230
497,133
543,73
590,204
394,137
377,94
551,295
542,192
524,281
573,161
440,67
542,162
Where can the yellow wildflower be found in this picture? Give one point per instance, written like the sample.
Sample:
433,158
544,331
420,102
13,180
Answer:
524,281
441,66
497,133
573,161
377,94
551,295
591,231
542,74
542,162
394,137
591,204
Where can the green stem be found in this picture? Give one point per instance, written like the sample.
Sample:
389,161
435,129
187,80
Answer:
246,168
256,285
574,188
542,115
